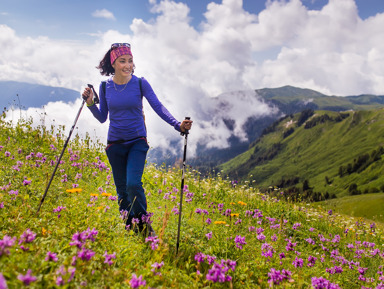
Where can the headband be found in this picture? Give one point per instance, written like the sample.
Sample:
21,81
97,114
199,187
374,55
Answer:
119,51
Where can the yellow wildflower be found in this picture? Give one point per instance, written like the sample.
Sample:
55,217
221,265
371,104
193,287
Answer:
74,190
99,208
219,222
234,215
106,194
242,203
232,203
94,195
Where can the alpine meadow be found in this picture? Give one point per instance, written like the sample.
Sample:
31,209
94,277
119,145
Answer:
234,234
220,144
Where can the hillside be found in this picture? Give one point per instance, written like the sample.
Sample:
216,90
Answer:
331,153
282,101
231,235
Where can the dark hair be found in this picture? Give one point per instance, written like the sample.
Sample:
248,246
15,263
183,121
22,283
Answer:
105,65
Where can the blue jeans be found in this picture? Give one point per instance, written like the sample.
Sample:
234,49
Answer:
127,162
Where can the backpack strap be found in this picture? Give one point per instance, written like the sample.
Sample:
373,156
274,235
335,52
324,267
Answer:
103,85
141,89
141,92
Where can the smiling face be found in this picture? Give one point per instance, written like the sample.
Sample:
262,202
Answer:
123,66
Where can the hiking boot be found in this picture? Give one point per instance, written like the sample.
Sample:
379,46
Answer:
145,230
151,231
131,226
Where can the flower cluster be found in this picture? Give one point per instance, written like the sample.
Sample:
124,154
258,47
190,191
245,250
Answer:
27,237
200,258
218,272
109,257
58,210
27,278
240,241
157,266
63,274
79,239
51,257
5,243
154,242
136,282
322,283
277,276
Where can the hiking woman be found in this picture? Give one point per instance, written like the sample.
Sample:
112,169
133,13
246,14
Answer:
121,98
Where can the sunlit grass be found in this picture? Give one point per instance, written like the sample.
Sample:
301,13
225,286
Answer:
231,235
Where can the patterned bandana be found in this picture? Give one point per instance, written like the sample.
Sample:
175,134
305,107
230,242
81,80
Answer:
119,51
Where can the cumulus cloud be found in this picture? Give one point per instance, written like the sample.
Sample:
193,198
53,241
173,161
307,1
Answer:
331,50
103,13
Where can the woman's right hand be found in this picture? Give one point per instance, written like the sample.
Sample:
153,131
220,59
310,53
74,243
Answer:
88,96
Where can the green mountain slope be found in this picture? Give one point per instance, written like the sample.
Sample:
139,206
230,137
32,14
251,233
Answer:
368,206
290,99
330,153
284,100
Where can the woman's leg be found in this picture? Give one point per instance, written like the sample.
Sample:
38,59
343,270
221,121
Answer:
118,156
134,172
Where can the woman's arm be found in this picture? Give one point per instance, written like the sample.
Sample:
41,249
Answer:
157,106
100,113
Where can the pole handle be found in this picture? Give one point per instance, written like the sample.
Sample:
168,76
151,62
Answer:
186,131
96,97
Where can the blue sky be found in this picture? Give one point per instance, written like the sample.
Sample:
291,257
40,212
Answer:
193,51
74,19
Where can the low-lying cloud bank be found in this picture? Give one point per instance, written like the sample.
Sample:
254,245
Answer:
331,50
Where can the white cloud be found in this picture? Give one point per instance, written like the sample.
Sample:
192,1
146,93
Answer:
331,50
103,13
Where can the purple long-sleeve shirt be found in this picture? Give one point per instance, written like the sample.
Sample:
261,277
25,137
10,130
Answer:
125,109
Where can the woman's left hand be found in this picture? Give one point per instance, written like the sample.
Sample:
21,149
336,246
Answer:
186,125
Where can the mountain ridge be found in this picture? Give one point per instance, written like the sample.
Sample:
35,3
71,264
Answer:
331,151
25,95
287,100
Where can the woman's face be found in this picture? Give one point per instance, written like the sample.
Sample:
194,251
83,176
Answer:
123,65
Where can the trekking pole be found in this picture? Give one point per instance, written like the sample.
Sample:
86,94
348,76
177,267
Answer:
96,100
182,185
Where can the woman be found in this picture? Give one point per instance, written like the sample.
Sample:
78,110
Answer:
127,148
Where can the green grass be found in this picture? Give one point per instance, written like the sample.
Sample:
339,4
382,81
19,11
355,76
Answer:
368,206
229,231
317,153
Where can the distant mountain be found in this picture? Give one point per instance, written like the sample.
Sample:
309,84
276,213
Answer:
287,100
25,95
331,153
292,100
